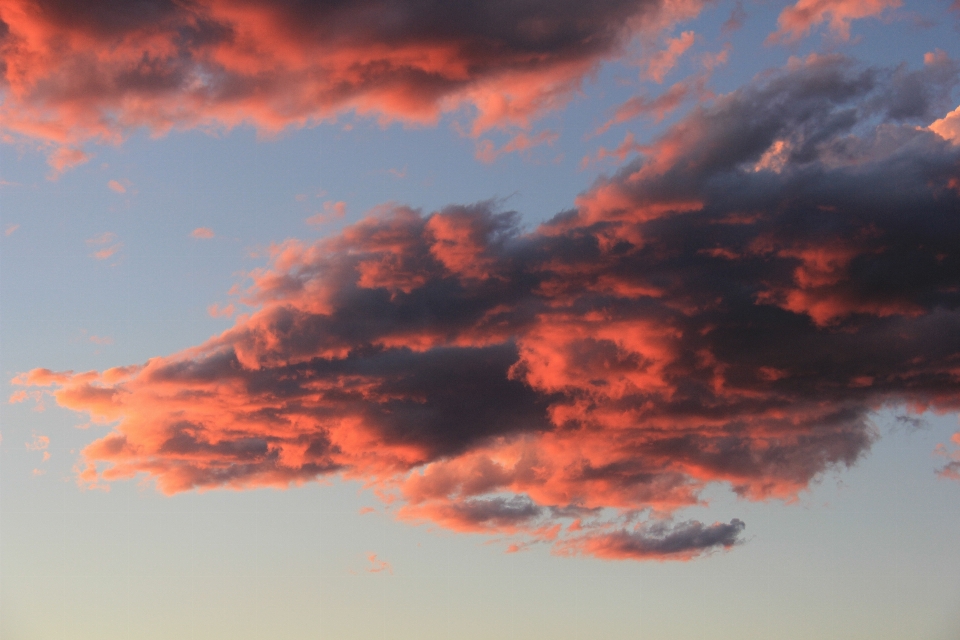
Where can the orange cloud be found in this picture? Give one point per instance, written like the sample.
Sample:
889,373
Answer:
116,186
202,233
692,322
378,566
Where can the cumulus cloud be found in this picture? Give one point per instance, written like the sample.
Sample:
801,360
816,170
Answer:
97,69
700,317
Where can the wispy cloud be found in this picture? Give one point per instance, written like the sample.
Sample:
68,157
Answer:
332,210
105,245
202,233
796,22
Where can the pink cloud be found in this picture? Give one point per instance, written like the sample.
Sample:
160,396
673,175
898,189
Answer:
487,152
75,74
378,566
659,107
216,311
660,63
40,444
116,186
693,321
796,22
107,244
202,233
63,158
331,211
10,229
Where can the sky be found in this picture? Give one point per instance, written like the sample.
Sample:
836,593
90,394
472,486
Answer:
413,319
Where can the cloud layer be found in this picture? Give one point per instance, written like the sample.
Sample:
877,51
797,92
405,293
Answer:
96,69
728,308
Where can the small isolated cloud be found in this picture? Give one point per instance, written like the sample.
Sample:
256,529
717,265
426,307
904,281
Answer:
661,541
116,186
378,566
735,22
487,152
796,22
331,211
10,229
65,158
202,233
105,245
40,443
216,311
101,340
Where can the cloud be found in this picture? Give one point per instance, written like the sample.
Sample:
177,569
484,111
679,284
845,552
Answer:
97,70
105,245
216,311
796,22
331,211
699,318
378,566
951,469
660,64
487,152
660,542
10,229
948,127
116,186
735,22
62,158
202,233
39,443
659,107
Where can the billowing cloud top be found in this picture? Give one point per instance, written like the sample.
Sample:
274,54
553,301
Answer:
95,69
729,309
